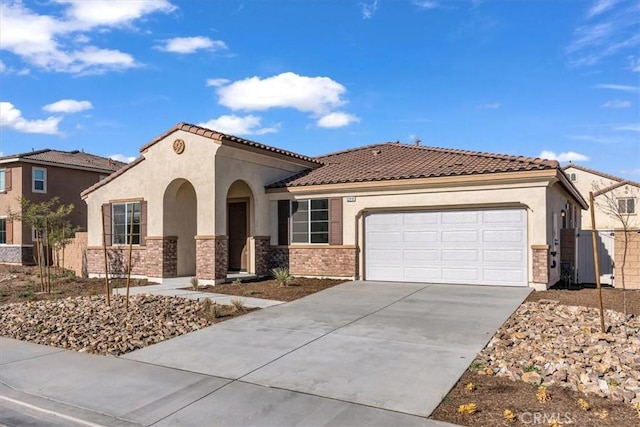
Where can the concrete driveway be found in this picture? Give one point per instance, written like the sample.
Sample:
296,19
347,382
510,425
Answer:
394,346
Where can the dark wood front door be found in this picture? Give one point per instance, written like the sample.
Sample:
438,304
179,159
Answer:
237,221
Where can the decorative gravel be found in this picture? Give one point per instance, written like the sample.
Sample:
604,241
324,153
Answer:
550,343
87,324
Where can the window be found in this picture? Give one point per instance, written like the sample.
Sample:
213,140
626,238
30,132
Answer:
3,231
39,180
2,181
627,206
121,222
573,177
310,221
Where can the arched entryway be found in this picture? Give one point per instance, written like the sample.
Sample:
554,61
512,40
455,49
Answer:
180,220
239,226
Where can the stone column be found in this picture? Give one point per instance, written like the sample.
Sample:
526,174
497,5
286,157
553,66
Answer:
261,248
162,256
211,257
540,264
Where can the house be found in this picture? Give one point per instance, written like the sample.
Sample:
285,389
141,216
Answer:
615,199
204,203
39,176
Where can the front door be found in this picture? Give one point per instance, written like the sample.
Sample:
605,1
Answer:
237,232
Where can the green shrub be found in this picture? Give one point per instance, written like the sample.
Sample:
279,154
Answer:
282,276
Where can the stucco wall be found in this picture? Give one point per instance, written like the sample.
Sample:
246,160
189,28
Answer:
540,198
9,201
586,182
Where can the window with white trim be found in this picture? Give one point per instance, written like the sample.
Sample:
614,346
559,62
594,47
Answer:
3,231
627,205
121,214
39,180
310,221
3,182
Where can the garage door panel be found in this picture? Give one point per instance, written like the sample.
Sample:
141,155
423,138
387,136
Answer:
476,247
460,236
385,238
413,256
460,255
460,275
421,236
421,274
385,256
421,218
507,277
516,256
460,217
503,236
514,216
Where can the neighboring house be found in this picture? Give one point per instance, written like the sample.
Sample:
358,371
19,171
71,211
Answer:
614,198
39,176
204,204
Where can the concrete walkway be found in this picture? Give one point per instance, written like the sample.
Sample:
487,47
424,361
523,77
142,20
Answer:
358,354
175,286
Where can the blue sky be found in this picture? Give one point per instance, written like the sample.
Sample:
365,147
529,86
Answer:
556,79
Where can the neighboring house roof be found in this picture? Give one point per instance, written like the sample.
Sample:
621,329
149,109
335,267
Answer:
614,186
599,173
393,161
219,136
66,159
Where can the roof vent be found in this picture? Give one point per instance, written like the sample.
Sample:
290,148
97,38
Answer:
376,152
417,141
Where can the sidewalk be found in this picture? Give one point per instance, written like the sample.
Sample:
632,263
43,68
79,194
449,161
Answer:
90,390
175,286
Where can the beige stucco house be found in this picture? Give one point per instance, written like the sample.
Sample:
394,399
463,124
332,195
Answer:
204,203
615,200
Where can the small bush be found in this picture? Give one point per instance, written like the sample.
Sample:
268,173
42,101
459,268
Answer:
531,368
211,310
282,276
25,294
195,283
238,304
237,281
475,366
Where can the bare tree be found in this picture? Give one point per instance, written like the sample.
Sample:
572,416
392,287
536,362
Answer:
619,202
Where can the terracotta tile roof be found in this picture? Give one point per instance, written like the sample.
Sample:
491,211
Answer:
393,161
219,136
70,159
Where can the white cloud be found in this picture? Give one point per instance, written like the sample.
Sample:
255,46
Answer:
11,118
610,28
563,157
318,95
623,88
68,106
60,44
617,103
490,106
369,9
2,67
634,64
337,120
635,127
425,4
122,158
191,44
236,125
217,82
89,14
600,7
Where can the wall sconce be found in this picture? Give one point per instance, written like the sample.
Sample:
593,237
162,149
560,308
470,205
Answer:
563,213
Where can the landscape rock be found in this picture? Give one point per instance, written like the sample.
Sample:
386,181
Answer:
87,324
563,346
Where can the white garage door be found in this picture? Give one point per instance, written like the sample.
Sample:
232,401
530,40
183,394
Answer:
483,247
